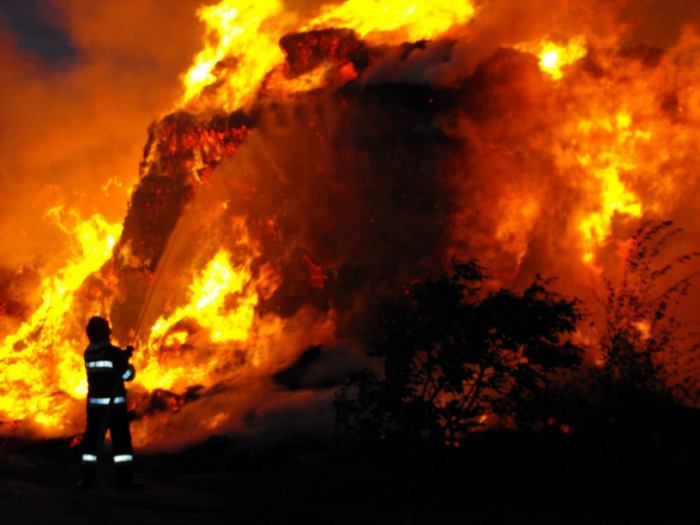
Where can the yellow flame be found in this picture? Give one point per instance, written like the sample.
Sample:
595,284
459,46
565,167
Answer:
605,166
222,301
42,352
553,57
407,20
241,36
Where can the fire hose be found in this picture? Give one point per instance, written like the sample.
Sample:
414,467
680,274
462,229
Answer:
117,381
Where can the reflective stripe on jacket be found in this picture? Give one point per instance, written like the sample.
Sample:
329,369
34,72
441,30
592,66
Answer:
107,368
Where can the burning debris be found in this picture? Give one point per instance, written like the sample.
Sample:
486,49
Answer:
320,161
180,155
305,52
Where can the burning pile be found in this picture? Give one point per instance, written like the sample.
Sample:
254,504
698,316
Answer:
317,163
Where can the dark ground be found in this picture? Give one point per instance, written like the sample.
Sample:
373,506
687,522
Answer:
498,479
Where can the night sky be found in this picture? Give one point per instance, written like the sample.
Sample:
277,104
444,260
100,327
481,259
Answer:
34,28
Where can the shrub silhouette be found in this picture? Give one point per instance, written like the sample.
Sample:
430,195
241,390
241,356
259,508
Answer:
453,357
648,373
645,346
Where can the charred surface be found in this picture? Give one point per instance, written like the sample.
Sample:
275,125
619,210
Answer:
306,51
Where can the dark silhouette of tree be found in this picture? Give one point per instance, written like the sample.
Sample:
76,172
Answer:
648,378
454,357
646,349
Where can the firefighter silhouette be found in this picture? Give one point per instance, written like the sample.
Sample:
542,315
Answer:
107,368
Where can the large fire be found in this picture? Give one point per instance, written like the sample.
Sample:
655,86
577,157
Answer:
253,231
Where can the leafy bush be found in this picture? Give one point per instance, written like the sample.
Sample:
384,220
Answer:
454,357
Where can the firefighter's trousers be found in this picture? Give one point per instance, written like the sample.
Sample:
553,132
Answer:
122,451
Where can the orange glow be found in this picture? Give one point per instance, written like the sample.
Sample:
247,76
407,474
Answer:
510,233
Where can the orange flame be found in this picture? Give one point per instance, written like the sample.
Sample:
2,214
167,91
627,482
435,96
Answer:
44,351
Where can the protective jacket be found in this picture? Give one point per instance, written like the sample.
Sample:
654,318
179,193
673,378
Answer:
107,368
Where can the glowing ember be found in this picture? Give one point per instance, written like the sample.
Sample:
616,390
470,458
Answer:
644,329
